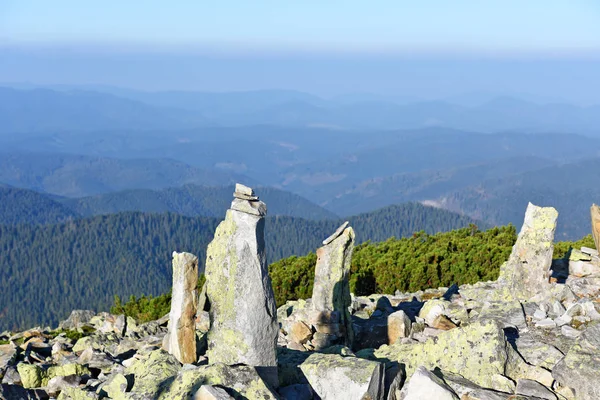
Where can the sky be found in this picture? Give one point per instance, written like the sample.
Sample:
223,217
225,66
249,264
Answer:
508,26
425,48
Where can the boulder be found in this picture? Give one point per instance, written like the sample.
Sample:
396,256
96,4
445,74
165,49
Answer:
398,326
31,375
425,385
77,394
477,352
244,326
579,369
530,388
59,383
181,338
77,319
150,370
331,291
240,380
208,392
335,377
527,271
8,355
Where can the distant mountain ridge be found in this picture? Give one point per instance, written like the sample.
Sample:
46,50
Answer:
114,108
75,175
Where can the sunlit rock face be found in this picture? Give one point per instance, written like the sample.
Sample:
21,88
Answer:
242,305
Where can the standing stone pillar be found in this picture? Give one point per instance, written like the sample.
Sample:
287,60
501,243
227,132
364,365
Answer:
181,338
527,271
595,214
243,314
331,291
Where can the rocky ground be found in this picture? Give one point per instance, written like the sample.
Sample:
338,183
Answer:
459,342
532,334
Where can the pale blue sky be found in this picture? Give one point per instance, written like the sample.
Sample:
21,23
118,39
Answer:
446,26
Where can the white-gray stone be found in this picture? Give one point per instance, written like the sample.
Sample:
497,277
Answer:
527,271
334,377
181,339
425,385
243,315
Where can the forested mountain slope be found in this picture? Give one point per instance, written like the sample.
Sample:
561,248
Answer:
30,207
47,271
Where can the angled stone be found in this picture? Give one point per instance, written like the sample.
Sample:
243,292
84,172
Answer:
243,315
181,338
331,292
527,271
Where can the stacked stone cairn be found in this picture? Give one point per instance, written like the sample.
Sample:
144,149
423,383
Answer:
532,334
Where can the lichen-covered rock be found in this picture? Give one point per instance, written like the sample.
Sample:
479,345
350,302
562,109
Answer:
209,392
60,383
477,351
331,290
527,271
31,375
425,385
181,339
244,326
115,387
77,394
335,377
530,388
152,369
241,380
77,319
580,368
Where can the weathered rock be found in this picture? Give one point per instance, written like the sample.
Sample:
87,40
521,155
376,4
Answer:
527,387
77,319
60,383
242,304
527,271
300,332
335,377
580,368
77,394
242,380
208,392
150,370
398,326
583,268
31,375
116,386
181,339
468,390
331,290
243,190
477,351
8,355
595,215
425,385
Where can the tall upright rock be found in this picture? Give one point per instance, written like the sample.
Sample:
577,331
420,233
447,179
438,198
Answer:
527,271
180,341
595,214
243,314
331,291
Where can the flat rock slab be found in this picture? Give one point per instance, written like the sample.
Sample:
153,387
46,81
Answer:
334,377
336,234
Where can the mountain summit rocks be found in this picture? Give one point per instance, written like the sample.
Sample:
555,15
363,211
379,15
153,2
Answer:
181,339
331,290
527,271
522,336
238,287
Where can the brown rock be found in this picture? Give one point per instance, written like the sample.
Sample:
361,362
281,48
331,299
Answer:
442,322
300,332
